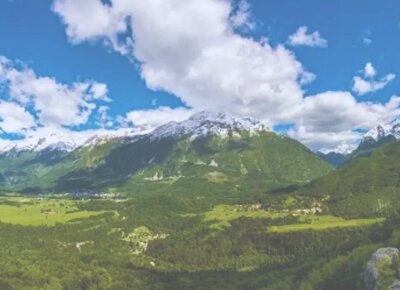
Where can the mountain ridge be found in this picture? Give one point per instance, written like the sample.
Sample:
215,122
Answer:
213,150
201,123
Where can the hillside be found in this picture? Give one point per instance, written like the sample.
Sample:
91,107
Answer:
214,153
365,187
214,202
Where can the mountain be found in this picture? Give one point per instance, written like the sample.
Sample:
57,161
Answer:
374,138
333,158
382,131
364,187
64,140
214,153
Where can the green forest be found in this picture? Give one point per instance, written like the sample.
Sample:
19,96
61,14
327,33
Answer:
239,212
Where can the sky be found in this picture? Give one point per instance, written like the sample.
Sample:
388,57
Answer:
323,72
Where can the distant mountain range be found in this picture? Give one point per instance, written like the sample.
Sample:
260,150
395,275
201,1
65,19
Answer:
368,182
212,152
374,138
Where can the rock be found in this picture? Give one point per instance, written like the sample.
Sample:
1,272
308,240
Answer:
383,270
395,285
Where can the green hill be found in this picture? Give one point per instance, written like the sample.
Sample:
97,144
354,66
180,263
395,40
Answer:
210,154
367,186
210,165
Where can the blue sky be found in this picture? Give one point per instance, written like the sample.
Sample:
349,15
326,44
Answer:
30,32
357,32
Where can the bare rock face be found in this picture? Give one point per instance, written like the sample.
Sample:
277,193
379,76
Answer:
382,271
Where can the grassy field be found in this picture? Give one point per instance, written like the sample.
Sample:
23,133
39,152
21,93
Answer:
221,216
323,223
35,212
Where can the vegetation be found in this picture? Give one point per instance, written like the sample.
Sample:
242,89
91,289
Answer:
243,165
34,212
366,187
163,242
323,223
218,213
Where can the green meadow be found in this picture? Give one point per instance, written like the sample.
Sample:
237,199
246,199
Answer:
37,212
221,217
323,223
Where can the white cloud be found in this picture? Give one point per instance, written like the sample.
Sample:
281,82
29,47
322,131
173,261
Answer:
369,84
92,20
152,118
98,91
103,118
242,17
302,38
14,118
327,120
191,49
325,141
369,70
54,103
345,147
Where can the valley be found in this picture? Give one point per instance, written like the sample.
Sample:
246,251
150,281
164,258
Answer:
213,202
199,145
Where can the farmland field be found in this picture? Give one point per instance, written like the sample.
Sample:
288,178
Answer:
325,222
35,212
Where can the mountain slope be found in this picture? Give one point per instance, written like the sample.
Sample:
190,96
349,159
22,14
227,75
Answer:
376,137
333,158
209,153
365,187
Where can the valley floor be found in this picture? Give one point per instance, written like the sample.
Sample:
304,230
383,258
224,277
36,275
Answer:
170,242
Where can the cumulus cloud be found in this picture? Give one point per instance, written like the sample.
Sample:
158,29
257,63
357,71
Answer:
302,38
14,118
103,21
369,70
368,83
327,120
192,49
103,118
152,118
242,17
54,103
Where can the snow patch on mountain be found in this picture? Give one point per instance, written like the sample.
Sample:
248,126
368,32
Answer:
64,140
382,131
208,123
200,124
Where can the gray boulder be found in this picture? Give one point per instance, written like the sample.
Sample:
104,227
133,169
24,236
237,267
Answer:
383,270
395,285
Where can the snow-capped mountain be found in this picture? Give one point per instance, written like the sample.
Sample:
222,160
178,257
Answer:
65,140
375,138
150,157
200,124
382,131
207,123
